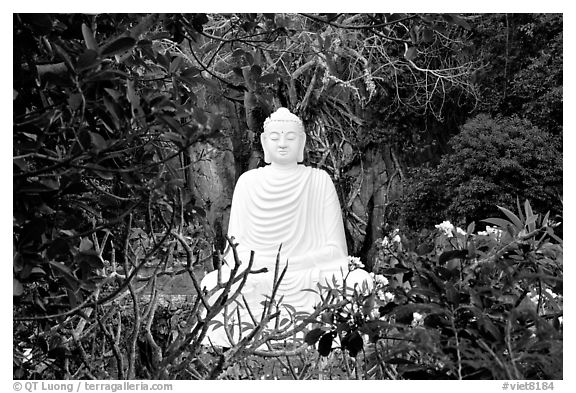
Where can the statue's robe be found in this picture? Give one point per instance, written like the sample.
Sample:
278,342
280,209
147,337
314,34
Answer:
297,208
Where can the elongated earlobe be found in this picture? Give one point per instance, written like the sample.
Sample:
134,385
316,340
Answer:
265,148
302,145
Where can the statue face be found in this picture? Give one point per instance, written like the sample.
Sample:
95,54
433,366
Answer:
283,144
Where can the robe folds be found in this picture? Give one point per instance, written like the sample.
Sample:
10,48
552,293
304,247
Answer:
297,208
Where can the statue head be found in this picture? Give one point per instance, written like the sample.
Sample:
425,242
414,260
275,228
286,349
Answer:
283,138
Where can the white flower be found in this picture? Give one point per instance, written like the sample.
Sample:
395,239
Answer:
417,319
380,280
446,227
554,295
385,296
354,263
493,232
460,231
28,354
395,238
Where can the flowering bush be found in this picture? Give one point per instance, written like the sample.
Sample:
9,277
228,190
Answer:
484,305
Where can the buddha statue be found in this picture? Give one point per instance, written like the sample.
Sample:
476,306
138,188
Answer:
289,204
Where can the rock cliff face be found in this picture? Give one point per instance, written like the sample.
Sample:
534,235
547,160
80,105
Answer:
211,178
376,183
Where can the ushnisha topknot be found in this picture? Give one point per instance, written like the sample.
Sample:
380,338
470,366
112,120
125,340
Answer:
282,115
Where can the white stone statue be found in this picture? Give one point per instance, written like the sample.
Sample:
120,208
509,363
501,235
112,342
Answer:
288,204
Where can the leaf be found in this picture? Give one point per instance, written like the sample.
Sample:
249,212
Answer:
103,174
512,217
288,307
393,270
531,222
452,254
472,253
175,64
529,215
519,209
173,124
427,35
439,28
17,287
90,258
399,361
325,344
255,71
238,71
353,342
64,56
75,101
87,60
470,228
457,20
198,21
544,221
452,295
268,78
249,58
69,277
500,222
98,142
410,53
133,97
89,38
435,321
85,244
209,82
404,315
238,53
487,325
119,45
107,75
59,248
395,17
313,336
113,109
190,72
383,310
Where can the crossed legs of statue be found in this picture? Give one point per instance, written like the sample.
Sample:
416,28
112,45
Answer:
259,286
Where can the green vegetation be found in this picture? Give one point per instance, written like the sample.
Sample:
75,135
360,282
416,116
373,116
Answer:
462,114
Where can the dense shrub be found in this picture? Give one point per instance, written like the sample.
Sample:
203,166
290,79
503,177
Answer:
475,305
493,161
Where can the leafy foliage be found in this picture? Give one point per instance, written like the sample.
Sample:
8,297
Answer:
523,67
98,135
489,156
484,305
105,110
